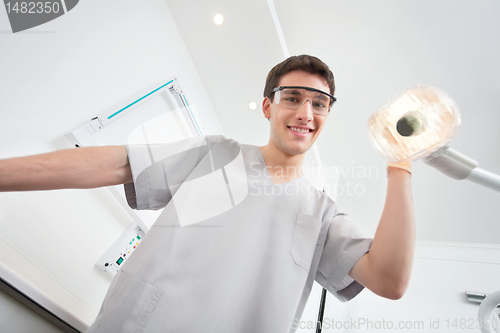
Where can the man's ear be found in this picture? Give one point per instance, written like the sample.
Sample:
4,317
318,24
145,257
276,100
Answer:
266,107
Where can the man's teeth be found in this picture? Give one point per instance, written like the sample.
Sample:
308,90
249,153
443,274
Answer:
300,130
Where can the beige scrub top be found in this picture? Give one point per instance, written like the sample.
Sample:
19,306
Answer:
231,252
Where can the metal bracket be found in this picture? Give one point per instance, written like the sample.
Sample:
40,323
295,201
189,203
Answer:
476,297
175,86
96,124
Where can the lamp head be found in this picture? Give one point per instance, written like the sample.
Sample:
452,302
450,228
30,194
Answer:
414,124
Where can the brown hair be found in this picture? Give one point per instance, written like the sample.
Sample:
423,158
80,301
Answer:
306,63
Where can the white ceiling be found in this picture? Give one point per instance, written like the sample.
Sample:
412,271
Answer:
376,49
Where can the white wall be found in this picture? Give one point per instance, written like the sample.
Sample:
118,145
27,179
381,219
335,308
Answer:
54,78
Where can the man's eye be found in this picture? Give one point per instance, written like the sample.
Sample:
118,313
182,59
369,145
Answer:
291,99
319,105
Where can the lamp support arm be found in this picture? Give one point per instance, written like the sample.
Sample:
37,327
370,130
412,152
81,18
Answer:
459,166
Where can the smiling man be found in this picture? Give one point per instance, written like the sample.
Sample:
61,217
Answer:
297,113
297,117
226,255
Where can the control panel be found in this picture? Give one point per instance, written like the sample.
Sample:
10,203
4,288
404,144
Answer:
121,250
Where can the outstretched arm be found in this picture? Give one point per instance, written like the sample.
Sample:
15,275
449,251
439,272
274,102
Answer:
386,268
73,168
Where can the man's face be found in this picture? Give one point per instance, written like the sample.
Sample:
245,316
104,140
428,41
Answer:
288,126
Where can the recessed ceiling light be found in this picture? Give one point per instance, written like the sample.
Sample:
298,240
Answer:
252,105
218,19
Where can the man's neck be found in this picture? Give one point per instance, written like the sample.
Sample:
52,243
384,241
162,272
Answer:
282,167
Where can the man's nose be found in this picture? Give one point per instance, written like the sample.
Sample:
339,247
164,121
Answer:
305,111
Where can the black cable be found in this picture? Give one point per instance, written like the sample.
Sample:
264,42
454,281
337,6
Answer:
319,322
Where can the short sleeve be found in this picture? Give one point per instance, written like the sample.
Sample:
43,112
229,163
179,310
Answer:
159,169
344,246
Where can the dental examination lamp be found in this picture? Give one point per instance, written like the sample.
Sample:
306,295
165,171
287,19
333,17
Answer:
419,124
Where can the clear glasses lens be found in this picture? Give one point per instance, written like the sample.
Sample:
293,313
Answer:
294,98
